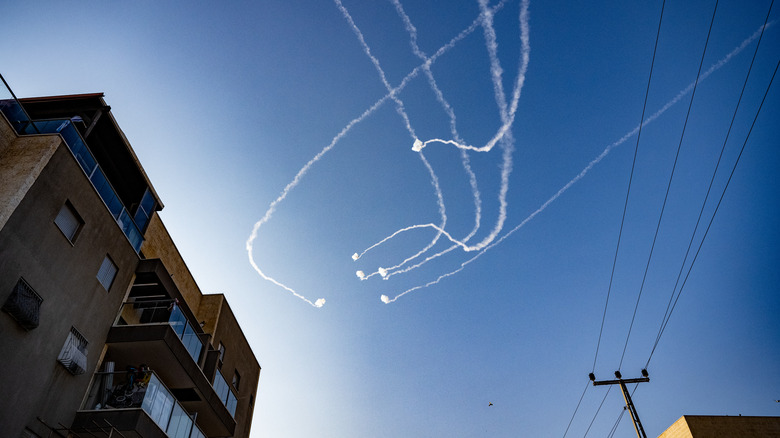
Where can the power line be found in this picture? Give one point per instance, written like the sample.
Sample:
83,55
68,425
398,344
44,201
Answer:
576,409
669,184
671,305
630,178
614,428
597,411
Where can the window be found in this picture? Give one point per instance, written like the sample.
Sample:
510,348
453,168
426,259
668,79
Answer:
68,221
73,355
236,380
24,305
107,273
221,349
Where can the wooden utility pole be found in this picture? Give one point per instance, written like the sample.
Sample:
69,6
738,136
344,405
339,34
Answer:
640,431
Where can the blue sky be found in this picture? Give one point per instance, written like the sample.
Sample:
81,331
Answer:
226,104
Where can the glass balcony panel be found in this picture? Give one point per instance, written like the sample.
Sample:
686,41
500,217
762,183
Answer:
145,312
87,162
231,403
141,218
15,114
158,402
133,390
178,321
192,342
180,424
107,193
225,394
78,147
148,201
130,230
150,312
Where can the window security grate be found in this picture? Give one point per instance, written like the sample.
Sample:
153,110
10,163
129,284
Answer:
73,355
24,305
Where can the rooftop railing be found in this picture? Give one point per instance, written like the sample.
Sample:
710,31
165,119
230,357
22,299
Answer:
21,122
92,169
164,311
141,389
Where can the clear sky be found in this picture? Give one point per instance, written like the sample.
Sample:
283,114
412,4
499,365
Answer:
226,103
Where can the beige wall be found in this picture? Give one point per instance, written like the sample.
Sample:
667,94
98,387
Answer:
219,320
21,161
159,245
238,357
717,426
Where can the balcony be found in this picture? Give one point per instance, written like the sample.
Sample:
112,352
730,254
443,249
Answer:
155,327
129,400
143,312
113,163
92,169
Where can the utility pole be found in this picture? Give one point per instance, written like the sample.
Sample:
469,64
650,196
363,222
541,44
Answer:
640,431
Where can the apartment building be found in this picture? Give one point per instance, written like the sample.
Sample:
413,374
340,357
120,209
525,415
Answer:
103,330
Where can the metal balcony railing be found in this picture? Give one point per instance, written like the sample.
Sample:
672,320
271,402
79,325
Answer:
141,389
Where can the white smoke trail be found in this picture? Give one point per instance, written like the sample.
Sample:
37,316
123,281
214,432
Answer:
302,172
412,31
400,110
507,116
385,299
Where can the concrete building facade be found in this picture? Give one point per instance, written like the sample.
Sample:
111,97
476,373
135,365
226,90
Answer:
104,329
721,426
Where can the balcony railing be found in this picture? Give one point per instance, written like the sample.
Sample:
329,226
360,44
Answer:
166,311
144,390
225,394
21,122
79,148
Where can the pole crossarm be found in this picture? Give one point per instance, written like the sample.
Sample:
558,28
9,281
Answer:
617,382
640,431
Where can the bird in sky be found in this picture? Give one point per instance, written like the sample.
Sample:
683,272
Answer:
490,404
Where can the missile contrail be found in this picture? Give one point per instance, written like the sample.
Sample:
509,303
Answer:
304,170
503,135
720,63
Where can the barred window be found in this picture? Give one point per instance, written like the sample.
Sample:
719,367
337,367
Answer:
73,355
69,221
24,305
107,273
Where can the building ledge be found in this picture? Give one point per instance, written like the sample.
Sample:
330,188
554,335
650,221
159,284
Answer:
131,423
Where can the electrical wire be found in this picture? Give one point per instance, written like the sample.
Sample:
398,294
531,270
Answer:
663,326
672,301
614,428
628,191
597,411
669,184
576,409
